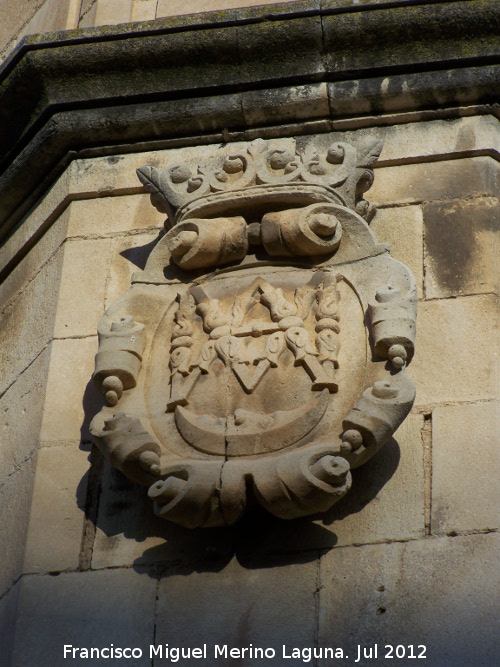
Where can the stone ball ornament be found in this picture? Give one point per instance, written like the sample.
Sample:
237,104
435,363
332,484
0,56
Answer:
261,354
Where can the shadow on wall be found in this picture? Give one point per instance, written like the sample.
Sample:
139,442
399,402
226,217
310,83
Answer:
128,532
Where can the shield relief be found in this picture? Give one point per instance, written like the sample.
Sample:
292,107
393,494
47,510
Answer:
261,354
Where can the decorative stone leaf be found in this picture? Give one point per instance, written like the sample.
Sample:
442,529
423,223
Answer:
369,152
151,179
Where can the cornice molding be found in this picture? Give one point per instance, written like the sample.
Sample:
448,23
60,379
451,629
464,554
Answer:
320,65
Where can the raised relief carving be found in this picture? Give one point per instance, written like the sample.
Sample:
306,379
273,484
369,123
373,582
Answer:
261,354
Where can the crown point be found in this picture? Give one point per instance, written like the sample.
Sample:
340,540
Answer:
180,173
233,164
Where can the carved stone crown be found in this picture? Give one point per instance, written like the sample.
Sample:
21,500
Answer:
342,172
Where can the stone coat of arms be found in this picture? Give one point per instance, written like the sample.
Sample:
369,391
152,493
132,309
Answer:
261,354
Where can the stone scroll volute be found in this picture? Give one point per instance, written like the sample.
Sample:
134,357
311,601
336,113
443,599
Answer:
261,354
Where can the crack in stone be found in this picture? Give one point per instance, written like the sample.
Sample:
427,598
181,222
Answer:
91,510
426,433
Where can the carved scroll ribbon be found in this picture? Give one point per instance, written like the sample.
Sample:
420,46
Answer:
118,360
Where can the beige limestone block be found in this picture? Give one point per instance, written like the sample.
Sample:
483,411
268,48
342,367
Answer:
465,468
129,533
13,16
21,409
83,282
54,536
54,15
455,350
37,256
265,604
27,322
84,609
402,228
179,7
85,5
71,399
424,140
385,502
127,530
15,501
449,179
440,137
439,592
144,10
87,14
462,247
113,12
49,208
106,175
129,256
112,215
73,15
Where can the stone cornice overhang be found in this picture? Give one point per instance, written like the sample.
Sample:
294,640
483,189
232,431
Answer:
234,74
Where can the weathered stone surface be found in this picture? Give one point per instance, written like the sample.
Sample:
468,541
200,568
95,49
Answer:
286,105
36,305
441,593
462,247
456,344
14,16
113,12
33,261
386,502
465,468
418,141
39,17
21,409
87,14
81,295
71,397
111,215
414,183
128,532
423,141
54,536
84,609
294,48
179,7
35,225
85,5
401,226
15,500
358,33
397,510
144,10
105,176
240,605
53,15
129,255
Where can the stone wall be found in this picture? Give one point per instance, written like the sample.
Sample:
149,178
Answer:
420,516
408,557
